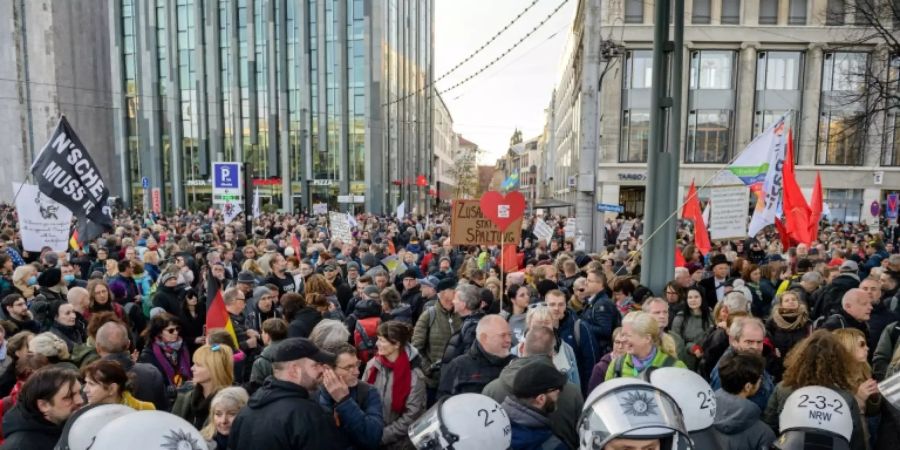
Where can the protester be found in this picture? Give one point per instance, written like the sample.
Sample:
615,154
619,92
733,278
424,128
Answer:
691,325
484,360
535,393
100,300
645,348
46,401
356,405
106,382
223,408
737,418
112,343
166,350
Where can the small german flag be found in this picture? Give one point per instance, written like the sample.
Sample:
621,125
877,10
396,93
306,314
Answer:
73,241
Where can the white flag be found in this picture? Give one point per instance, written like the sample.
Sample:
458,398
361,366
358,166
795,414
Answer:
43,222
401,211
230,211
256,210
352,220
706,214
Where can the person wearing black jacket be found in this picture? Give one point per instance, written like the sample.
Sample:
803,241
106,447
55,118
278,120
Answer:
168,295
412,293
39,427
281,415
467,304
301,317
482,363
248,339
343,291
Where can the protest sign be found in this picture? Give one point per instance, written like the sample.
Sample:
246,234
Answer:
320,209
542,230
340,226
730,207
468,226
42,220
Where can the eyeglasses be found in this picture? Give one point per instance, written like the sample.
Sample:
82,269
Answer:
620,342
172,330
350,368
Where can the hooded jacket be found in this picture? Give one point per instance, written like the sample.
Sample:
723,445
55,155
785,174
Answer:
760,398
169,299
830,303
563,421
254,317
396,425
738,425
22,430
281,416
530,429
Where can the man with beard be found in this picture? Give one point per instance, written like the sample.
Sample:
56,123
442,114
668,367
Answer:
46,401
535,392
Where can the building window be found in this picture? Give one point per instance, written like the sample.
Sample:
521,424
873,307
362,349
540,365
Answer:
635,133
845,204
731,12
701,13
891,154
768,12
709,136
634,11
778,90
797,12
835,12
710,106
842,118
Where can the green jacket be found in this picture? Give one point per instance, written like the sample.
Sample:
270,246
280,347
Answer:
430,338
262,366
628,371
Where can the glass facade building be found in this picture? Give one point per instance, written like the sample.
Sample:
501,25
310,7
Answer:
320,97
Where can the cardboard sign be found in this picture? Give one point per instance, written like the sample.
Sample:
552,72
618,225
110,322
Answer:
542,230
469,226
340,226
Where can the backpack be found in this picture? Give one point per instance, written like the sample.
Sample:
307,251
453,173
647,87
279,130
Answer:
620,361
821,321
364,337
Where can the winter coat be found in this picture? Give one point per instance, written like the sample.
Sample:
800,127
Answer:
586,351
598,373
714,345
564,420
71,335
402,312
24,431
843,320
471,372
779,398
413,298
192,327
304,322
169,299
281,416
881,317
767,288
262,366
691,329
530,428
784,339
149,385
397,425
760,398
430,338
738,424
602,317
830,302
361,419
661,359
884,351
461,341
193,406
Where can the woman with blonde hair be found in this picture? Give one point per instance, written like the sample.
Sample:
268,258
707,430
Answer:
224,407
788,325
24,279
250,265
860,372
646,348
53,348
213,370
818,360
493,284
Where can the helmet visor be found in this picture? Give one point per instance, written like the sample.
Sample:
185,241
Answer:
635,412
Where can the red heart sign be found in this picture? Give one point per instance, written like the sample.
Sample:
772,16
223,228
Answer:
503,210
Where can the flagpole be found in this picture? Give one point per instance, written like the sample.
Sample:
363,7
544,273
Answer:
502,267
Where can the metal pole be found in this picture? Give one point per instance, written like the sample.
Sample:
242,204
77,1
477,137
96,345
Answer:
663,157
248,200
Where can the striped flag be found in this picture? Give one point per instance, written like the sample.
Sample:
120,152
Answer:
73,241
217,317
890,389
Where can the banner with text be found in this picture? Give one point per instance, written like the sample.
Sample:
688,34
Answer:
542,230
65,172
340,226
468,226
42,221
730,208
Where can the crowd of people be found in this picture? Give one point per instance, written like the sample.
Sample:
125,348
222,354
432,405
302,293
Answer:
400,339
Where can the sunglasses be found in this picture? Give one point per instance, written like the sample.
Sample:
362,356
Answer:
172,330
580,290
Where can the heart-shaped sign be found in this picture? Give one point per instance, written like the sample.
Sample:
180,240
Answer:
503,210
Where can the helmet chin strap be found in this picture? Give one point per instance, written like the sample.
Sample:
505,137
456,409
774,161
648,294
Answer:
448,435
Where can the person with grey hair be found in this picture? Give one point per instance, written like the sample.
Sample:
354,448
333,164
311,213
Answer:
262,306
747,334
856,310
467,305
482,362
329,333
830,301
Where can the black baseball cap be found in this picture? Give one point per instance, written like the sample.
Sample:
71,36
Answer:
292,349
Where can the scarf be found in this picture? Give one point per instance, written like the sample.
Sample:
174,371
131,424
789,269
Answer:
642,363
790,320
402,384
626,306
169,353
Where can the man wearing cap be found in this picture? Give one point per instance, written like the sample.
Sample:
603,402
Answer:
342,290
535,390
281,415
428,288
433,330
168,296
412,293
830,301
714,286
245,282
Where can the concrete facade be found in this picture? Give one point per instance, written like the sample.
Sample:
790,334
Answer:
446,145
733,53
53,61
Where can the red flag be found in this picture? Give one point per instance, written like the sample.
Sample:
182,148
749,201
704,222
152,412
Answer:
295,244
816,205
796,211
783,234
679,258
510,258
217,317
692,212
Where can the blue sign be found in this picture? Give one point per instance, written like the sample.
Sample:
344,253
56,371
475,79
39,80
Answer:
226,175
892,200
606,207
145,182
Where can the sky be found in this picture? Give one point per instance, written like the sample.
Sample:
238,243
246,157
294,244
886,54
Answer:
514,92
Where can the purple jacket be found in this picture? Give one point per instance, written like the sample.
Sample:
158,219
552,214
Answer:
599,372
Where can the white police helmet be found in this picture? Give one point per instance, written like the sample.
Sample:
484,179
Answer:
83,426
149,430
815,414
634,409
462,422
691,392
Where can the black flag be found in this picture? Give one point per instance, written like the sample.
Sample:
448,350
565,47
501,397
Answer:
65,172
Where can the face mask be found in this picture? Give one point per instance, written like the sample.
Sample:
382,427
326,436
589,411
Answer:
69,278
32,280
